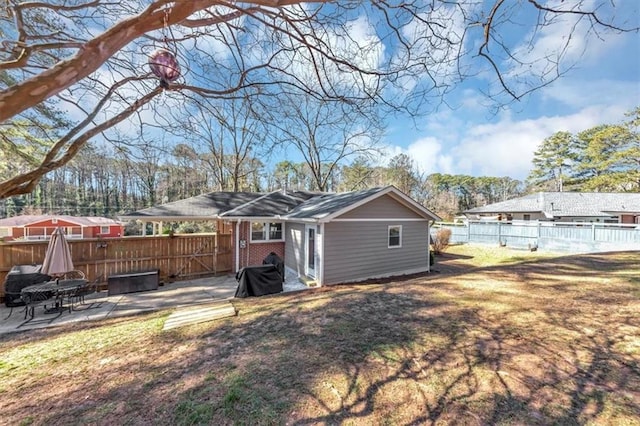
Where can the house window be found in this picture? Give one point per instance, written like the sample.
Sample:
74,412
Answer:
263,231
104,229
395,236
527,217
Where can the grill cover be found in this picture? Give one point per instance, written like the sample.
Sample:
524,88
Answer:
19,277
258,281
274,259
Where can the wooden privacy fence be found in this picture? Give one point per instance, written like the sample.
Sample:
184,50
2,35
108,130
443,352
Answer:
178,257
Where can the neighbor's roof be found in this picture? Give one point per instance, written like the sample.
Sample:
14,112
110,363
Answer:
567,204
24,220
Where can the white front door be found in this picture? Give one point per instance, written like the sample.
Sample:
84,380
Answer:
310,255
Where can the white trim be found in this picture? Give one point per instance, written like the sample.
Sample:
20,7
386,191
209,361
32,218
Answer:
320,255
267,239
315,251
389,246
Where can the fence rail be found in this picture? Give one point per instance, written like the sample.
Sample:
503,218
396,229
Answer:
178,257
552,236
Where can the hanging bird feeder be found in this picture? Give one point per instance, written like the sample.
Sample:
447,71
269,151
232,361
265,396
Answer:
164,66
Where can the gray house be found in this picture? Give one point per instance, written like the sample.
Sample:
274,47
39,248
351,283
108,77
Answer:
596,207
324,238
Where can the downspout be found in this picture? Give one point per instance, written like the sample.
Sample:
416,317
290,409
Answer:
237,244
320,277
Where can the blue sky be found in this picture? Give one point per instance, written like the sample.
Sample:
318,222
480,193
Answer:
465,136
471,139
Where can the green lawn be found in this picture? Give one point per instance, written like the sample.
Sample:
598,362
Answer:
495,337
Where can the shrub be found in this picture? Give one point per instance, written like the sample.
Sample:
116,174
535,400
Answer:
441,240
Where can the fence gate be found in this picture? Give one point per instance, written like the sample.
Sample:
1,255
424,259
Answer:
201,256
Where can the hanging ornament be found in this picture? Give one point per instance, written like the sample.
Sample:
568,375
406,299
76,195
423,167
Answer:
164,66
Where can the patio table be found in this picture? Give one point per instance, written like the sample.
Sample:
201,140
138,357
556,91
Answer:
57,289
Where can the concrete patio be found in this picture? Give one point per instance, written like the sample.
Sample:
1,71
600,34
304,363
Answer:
180,295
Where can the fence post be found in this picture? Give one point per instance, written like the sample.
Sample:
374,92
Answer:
468,231
499,233
593,231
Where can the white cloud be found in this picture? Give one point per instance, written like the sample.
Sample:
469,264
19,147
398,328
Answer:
576,93
506,148
502,148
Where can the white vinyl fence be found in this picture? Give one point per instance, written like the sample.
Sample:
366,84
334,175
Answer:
552,236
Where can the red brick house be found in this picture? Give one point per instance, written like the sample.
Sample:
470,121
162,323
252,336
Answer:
40,227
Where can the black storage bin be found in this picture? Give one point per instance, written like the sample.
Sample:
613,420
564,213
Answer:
133,282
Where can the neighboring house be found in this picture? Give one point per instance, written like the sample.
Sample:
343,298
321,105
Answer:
40,227
600,207
326,238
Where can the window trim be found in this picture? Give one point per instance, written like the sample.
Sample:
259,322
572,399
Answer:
103,227
399,245
266,226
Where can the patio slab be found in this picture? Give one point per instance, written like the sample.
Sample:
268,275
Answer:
177,295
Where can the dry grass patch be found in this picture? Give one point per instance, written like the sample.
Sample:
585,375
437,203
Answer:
541,340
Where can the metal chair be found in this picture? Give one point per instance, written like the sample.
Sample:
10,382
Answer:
35,298
77,298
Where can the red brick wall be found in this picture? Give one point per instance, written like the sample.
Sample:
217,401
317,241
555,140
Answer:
254,253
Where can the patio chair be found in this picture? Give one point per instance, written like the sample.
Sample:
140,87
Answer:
72,275
35,298
77,298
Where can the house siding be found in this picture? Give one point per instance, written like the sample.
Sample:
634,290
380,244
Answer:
355,251
295,247
384,207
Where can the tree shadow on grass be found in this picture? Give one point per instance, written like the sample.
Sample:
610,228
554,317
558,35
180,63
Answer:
412,352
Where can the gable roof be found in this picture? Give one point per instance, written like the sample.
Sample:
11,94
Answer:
25,220
204,206
326,207
277,203
290,205
567,204
323,205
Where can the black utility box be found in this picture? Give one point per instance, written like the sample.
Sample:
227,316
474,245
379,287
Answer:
132,282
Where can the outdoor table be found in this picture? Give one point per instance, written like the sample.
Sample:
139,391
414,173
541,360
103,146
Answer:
58,289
